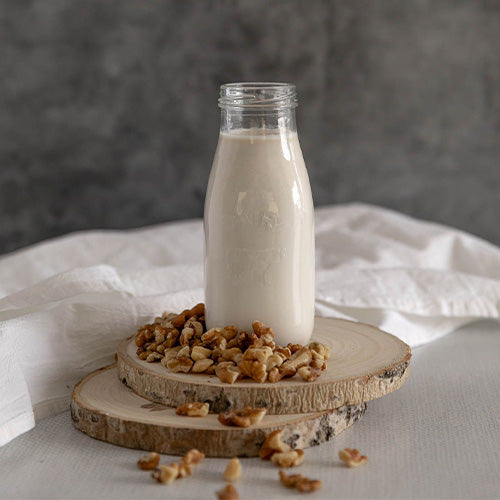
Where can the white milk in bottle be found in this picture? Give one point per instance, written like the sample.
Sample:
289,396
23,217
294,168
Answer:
259,226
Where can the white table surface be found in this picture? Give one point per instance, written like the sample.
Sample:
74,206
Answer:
437,437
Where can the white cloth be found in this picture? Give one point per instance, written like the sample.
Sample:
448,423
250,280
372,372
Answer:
436,438
65,303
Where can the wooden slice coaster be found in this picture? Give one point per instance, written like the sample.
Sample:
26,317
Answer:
366,363
105,409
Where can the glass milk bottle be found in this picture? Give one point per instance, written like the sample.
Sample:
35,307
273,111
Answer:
259,216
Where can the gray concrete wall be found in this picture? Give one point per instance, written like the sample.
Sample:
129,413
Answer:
108,114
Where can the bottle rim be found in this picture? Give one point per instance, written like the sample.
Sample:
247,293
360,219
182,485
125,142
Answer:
258,95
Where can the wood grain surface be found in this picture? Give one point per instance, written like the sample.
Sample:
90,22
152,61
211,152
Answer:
106,409
366,363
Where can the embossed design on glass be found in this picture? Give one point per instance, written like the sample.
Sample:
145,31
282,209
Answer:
259,217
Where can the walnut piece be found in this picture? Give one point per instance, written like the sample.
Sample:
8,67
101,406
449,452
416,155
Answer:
149,461
290,458
194,325
227,372
144,334
182,364
195,409
274,361
272,445
185,352
259,354
181,344
233,470
229,332
211,336
306,485
283,351
319,350
233,420
172,337
154,356
299,482
166,473
274,375
193,457
318,363
229,492
254,414
294,347
184,470
286,371
160,333
198,352
242,418
308,373
232,354
150,346
352,457
256,370
290,480
301,357
170,353
202,365
186,335
261,329
179,320
264,334
197,310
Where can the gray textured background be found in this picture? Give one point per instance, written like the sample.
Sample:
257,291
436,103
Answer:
108,114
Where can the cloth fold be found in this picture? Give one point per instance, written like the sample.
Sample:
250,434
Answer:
66,303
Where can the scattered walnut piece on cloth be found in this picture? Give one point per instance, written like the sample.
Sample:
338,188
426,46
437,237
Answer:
290,458
229,492
233,470
352,457
166,474
149,461
299,482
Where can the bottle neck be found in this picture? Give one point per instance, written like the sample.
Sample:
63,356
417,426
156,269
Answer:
269,121
261,106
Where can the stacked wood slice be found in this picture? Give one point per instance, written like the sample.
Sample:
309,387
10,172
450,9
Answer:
133,403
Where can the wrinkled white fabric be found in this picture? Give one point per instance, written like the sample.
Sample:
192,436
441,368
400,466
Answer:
65,303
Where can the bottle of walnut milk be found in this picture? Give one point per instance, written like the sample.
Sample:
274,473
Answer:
259,225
